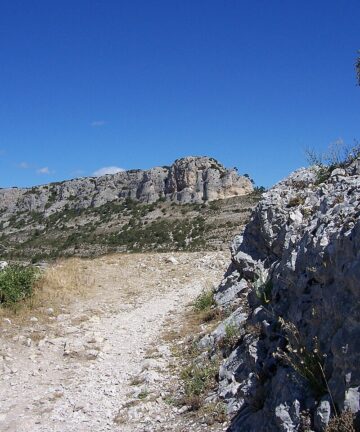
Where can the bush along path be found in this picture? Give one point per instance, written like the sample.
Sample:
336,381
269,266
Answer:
16,284
100,349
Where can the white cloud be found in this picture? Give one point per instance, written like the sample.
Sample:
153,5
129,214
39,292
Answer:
98,123
78,173
107,170
44,170
23,165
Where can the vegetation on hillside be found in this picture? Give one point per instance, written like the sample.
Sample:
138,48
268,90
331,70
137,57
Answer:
338,155
125,225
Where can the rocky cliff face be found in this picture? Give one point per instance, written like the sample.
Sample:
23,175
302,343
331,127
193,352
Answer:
293,287
188,180
128,211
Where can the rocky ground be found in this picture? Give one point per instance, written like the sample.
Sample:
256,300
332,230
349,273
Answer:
293,286
95,358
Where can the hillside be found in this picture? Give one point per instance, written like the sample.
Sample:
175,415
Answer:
273,348
194,204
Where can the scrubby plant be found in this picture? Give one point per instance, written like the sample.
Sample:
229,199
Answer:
199,378
307,211
338,155
308,363
143,394
263,286
343,422
258,190
231,337
204,301
214,412
16,283
295,201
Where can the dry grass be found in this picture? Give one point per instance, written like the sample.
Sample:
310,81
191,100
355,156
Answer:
214,412
190,327
343,422
64,281
136,381
57,286
198,377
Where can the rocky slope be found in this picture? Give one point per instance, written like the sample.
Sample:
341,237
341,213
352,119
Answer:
187,180
293,299
132,210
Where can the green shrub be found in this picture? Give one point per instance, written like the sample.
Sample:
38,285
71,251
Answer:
16,283
231,338
204,301
143,395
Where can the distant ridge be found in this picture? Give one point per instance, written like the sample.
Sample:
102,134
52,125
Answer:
126,210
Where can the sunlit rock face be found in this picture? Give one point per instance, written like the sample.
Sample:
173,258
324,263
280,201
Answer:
187,180
295,277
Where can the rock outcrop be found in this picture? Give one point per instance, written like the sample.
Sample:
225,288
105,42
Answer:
127,211
188,180
294,285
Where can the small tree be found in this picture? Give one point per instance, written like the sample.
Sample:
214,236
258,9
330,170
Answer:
357,67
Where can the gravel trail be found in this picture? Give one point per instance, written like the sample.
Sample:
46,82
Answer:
88,367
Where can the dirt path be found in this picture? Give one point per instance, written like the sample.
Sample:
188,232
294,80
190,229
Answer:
88,368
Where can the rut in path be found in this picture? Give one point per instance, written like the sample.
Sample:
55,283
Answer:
86,366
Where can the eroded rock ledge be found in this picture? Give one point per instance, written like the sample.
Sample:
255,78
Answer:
294,285
187,180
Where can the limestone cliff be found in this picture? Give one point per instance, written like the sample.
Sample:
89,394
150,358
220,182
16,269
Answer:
127,211
187,180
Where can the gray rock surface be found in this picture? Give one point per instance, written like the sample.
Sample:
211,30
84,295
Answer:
187,180
299,256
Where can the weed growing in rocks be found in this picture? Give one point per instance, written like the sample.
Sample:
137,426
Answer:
16,284
231,338
205,307
338,155
343,422
307,363
143,395
263,286
136,381
199,378
296,201
214,412
204,301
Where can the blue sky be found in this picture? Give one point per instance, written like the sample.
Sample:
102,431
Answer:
139,83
